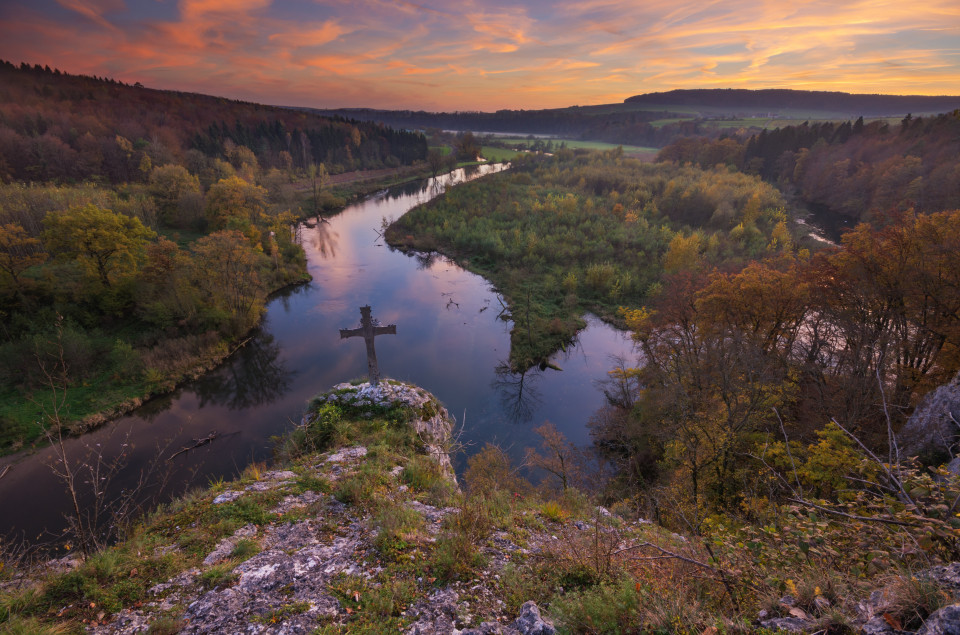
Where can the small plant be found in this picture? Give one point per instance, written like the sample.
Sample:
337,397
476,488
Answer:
421,473
245,510
245,549
391,598
399,526
166,625
551,510
254,471
281,614
457,551
218,575
309,482
606,608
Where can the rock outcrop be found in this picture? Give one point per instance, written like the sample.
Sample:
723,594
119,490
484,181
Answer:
934,427
317,561
433,423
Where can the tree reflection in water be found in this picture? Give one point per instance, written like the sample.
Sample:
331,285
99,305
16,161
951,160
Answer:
323,239
518,393
252,377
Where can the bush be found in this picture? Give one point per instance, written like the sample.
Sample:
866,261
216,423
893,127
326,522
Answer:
607,608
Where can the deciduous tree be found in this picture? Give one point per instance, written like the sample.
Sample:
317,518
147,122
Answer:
107,245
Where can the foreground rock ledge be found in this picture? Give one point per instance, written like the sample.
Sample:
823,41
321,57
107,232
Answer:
294,582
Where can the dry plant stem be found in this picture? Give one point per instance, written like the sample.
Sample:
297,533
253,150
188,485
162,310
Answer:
896,482
872,519
53,430
893,450
786,442
671,555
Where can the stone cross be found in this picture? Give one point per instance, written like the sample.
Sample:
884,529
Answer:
368,331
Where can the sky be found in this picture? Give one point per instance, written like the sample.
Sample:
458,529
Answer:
490,54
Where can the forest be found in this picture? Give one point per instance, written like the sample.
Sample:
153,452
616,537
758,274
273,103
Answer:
761,418
597,123
69,128
856,170
142,231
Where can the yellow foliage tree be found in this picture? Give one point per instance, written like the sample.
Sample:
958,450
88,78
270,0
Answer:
107,245
18,252
234,198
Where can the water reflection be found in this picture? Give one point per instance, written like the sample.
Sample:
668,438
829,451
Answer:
518,392
253,377
452,336
323,239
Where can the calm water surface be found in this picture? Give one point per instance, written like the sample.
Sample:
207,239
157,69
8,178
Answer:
449,340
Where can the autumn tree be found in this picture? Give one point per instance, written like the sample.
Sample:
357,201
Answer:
557,456
18,252
167,295
107,245
467,148
233,203
318,178
436,161
169,184
226,270
713,375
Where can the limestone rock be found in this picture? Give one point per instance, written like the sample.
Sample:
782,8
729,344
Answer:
946,621
945,575
790,624
227,497
529,621
436,615
226,546
932,428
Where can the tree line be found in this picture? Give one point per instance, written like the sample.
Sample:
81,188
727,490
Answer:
856,170
69,128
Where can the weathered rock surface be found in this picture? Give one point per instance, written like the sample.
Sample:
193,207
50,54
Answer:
434,424
934,426
294,581
946,621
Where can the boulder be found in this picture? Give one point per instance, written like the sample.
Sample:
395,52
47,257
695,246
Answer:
933,427
529,621
946,621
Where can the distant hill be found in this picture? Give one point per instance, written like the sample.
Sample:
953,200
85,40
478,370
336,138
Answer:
572,121
56,126
853,105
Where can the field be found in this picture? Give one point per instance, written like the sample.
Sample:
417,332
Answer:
575,144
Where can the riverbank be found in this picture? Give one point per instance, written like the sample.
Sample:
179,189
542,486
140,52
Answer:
106,397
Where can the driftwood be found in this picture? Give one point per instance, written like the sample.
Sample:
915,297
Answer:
196,444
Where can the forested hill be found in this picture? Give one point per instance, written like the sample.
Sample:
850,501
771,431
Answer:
602,123
55,126
772,99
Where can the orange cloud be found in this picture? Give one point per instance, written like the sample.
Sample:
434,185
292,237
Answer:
493,54
310,35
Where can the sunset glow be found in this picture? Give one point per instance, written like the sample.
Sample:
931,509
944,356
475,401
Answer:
474,55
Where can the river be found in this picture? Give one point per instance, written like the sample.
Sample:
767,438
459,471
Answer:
450,340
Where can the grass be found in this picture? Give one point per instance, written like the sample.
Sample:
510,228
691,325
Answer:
576,144
497,155
21,414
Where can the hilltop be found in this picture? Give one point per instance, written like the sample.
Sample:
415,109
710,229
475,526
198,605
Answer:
766,100
59,126
363,528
